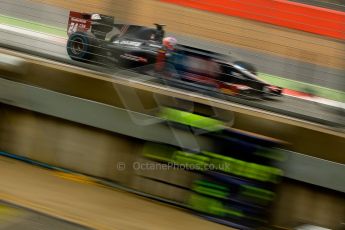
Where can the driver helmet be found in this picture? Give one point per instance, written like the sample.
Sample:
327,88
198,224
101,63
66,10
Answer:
169,42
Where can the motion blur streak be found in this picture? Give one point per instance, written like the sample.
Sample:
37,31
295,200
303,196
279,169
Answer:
110,122
12,64
13,217
93,206
282,13
223,29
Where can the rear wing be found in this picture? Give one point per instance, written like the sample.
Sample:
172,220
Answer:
98,24
78,22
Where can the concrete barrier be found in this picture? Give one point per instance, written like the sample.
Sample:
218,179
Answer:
96,152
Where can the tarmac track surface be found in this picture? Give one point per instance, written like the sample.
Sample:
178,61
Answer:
55,47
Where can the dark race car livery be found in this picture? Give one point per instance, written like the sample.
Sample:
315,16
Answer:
212,70
97,39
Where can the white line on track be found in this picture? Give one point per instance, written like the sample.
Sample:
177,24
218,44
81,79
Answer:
32,33
320,100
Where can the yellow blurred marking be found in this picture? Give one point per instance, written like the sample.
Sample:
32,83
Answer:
8,213
75,177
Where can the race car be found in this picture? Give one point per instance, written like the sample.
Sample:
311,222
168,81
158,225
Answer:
213,71
97,39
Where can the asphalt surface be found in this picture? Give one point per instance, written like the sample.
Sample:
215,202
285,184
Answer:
13,217
338,5
270,64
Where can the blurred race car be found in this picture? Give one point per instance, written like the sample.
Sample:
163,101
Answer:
96,38
212,70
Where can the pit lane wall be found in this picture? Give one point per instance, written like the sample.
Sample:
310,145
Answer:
96,152
220,28
283,13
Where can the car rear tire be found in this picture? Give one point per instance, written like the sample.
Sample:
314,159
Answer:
79,46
